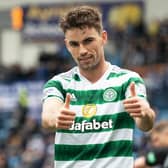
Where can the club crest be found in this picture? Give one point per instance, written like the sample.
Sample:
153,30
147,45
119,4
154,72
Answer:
109,94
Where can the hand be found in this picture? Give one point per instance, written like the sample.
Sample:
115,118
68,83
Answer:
65,116
136,106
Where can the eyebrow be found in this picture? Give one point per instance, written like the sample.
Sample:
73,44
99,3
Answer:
84,40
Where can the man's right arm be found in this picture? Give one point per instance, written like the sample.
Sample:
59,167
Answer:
50,108
56,114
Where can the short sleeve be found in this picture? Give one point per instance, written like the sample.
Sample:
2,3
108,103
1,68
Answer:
139,86
53,88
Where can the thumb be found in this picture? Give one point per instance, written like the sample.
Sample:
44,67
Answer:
132,89
67,100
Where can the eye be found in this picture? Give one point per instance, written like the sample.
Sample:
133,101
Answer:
88,41
73,44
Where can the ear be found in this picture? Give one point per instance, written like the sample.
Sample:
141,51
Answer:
104,37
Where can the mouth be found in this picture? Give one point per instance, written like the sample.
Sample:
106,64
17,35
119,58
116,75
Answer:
85,59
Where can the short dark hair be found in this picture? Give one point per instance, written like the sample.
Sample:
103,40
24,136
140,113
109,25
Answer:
81,17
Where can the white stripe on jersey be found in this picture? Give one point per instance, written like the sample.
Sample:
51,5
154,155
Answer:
102,109
94,138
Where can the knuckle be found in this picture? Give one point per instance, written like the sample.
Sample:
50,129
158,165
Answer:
59,122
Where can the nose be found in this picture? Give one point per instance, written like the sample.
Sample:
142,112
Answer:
82,50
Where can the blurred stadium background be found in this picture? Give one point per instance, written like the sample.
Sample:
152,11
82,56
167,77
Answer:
32,51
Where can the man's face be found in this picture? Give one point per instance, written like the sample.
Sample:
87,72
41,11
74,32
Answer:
86,46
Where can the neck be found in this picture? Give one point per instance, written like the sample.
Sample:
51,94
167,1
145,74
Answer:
94,75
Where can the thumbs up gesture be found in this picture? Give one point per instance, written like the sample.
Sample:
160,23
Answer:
132,89
135,106
65,116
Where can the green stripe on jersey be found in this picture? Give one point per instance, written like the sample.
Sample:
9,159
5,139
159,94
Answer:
93,96
56,84
115,75
93,151
133,79
101,123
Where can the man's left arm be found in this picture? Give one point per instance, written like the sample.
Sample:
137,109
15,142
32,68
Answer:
139,109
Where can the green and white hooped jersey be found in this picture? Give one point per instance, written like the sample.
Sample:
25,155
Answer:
102,134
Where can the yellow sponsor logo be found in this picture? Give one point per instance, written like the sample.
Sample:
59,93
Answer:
89,110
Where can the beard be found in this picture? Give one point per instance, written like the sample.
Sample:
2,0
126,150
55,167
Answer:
88,62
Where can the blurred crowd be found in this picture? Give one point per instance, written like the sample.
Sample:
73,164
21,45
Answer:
135,45
26,145
155,153
140,44
49,64
144,48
